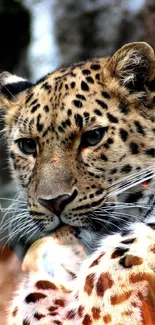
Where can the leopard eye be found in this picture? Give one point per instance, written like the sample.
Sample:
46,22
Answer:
93,137
27,146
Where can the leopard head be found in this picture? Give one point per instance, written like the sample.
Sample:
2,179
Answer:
82,135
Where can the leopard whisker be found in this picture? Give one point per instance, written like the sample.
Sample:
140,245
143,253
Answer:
121,216
130,181
148,169
125,187
104,222
117,214
13,96
127,206
12,234
27,229
33,232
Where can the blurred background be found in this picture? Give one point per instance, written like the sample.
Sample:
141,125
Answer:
38,36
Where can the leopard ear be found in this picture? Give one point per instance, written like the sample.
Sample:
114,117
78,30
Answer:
133,65
11,87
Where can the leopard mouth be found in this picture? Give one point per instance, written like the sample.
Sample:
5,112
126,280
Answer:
43,230
46,226
101,224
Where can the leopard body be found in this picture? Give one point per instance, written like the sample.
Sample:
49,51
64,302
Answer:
82,149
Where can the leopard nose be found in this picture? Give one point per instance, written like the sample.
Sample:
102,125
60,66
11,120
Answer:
58,204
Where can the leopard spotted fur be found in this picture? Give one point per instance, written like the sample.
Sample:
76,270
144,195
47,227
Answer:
81,145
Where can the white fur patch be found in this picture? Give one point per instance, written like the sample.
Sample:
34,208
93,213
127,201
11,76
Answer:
8,78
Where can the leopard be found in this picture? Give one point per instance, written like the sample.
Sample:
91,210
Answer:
115,285
81,148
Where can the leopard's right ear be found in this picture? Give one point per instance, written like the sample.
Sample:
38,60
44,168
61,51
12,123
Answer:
133,65
11,90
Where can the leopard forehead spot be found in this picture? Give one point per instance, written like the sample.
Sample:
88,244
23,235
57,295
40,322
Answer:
59,108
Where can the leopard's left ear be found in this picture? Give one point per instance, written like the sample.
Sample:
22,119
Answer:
133,64
11,87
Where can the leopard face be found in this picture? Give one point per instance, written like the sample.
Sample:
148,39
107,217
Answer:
77,134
